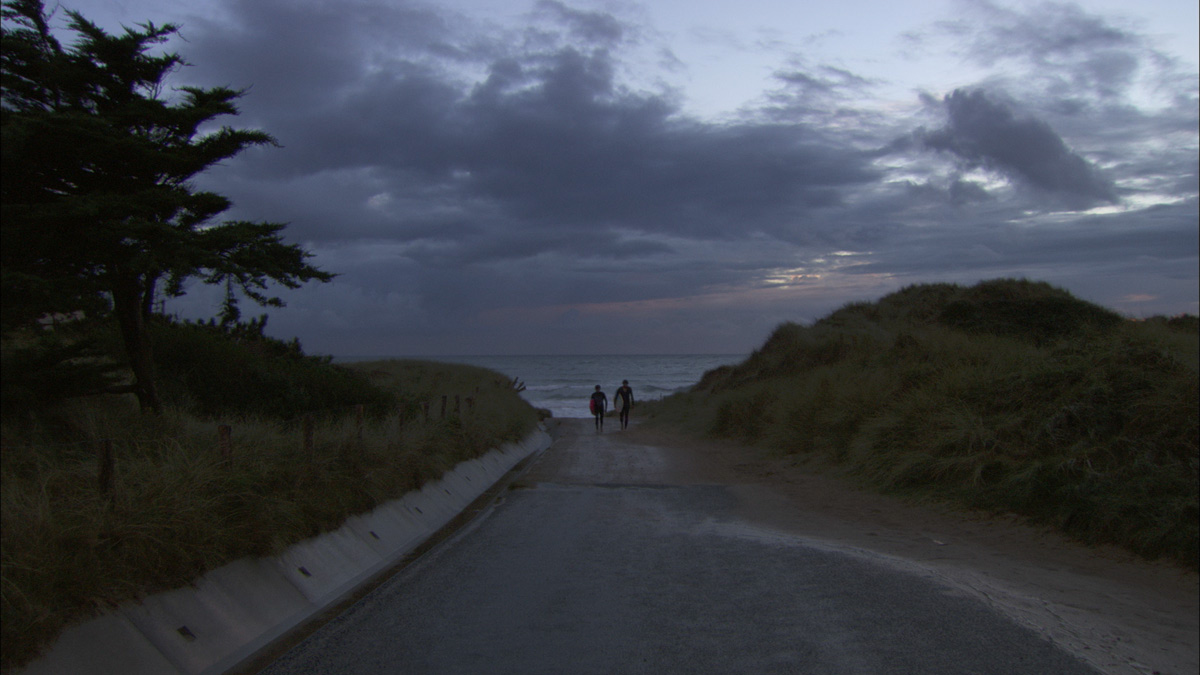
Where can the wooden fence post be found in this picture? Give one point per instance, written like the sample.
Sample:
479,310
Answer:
107,466
457,406
443,406
425,409
223,442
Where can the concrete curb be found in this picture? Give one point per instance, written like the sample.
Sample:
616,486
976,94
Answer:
233,612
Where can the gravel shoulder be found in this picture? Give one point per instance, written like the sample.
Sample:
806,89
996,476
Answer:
1122,614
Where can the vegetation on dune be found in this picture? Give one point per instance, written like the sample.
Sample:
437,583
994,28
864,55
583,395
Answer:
1011,396
175,506
236,444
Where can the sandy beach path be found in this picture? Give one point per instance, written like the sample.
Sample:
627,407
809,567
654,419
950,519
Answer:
1122,614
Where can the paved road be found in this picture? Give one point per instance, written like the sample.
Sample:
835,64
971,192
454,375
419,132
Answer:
598,561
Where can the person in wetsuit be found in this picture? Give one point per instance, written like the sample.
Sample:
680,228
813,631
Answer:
623,401
598,404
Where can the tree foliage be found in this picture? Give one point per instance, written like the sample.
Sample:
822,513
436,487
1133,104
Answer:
99,212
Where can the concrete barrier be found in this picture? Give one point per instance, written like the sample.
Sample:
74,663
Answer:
233,612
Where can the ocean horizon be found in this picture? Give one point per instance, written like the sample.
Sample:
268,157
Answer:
563,384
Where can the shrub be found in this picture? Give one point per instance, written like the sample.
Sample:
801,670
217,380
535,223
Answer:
45,368
215,372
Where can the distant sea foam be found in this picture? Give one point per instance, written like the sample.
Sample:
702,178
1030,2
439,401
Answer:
563,384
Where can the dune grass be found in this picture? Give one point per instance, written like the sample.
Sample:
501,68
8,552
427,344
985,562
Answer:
1009,396
177,508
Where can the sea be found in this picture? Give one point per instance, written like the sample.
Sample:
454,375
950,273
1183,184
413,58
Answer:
563,384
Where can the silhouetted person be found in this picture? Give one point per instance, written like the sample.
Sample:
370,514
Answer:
623,401
598,404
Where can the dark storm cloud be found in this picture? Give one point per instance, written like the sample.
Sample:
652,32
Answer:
301,54
452,170
1165,235
1074,59
590,27
545,139
987,133
1046,33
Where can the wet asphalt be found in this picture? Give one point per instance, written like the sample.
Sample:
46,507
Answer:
596,562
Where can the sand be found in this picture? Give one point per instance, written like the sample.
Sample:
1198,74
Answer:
1122,614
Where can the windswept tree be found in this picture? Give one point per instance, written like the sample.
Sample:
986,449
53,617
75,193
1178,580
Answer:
98,210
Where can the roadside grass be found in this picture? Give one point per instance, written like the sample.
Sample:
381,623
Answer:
1009,396
177,508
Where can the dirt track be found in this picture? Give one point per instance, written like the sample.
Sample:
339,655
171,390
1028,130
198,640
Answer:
1120,613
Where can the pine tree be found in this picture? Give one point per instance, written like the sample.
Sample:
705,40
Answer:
97,205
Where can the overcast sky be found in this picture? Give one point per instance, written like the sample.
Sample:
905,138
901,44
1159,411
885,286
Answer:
680,176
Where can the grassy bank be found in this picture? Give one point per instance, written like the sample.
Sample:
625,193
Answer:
1008,396
177,506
